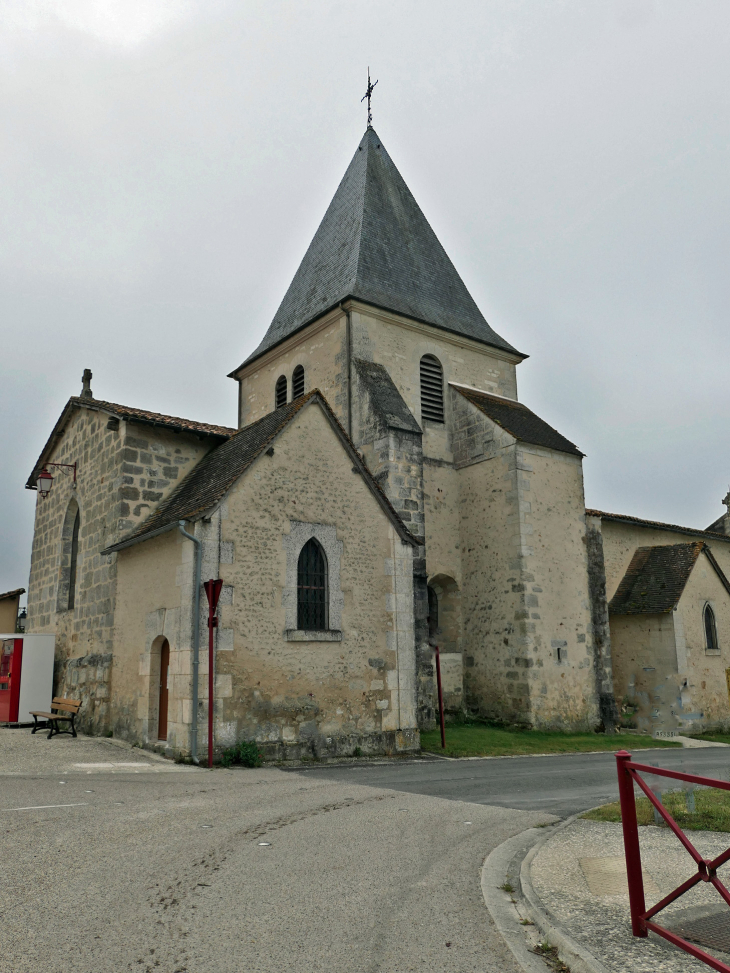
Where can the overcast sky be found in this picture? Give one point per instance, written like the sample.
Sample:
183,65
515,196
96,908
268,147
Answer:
164,166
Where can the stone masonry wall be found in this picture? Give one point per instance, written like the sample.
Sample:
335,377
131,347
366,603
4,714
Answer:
600,625
395,457
123,471
88,678
318,697
527,624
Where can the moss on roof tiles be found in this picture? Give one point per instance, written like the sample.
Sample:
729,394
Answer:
519,421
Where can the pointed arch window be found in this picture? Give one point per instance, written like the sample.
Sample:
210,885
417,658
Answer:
74,560
280,393
297,382
312,588
710,630
70,543
432,389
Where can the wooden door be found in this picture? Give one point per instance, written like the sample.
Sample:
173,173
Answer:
164,676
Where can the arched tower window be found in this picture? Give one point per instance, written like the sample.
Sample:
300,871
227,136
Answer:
432,389
66,597
312,594
280,394
710,630
297,382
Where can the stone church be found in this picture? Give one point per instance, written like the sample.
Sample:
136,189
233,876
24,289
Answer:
383,491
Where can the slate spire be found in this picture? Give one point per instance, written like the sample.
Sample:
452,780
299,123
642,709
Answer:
375,244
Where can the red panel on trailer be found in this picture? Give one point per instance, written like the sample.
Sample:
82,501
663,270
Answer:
11,663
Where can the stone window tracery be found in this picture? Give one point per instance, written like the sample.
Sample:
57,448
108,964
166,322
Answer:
711,644
312,595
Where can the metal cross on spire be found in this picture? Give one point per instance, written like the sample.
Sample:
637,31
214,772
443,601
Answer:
368,95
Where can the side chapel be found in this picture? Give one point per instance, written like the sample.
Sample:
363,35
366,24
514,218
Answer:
383,491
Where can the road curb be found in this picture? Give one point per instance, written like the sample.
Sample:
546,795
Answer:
496,871
575,955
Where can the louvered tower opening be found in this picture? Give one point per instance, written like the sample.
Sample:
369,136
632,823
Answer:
432,389
280,394
297,382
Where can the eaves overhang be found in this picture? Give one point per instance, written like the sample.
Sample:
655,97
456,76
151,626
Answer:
509,354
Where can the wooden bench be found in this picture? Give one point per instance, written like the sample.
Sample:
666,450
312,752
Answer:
65,712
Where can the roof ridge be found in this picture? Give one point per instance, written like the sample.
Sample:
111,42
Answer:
90,403
123,411
661,525
210,494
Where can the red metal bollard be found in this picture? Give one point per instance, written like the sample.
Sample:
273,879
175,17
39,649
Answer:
213,592
631,844
441,697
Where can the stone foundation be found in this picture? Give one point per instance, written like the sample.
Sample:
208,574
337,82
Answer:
87,678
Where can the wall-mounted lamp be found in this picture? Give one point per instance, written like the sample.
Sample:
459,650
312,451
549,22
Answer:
45,479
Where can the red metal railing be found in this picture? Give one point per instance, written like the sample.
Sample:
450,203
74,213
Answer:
641,918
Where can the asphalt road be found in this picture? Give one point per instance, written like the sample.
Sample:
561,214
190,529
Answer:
113,861
562,784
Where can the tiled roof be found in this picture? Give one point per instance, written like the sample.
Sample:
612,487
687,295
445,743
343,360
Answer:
130,414
156,418
519,421
657,525
215,474
12,594
657,576
374,244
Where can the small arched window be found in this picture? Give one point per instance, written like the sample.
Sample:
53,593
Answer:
297,382
432,389
710,630
280,395
312,597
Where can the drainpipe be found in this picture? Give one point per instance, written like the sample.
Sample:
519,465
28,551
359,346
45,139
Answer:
196,638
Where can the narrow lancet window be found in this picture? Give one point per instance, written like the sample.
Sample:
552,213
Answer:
432,389
710,630
312,588
297,382
74,559
280,396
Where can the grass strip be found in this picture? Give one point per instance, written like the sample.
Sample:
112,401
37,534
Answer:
712,810
714,737
483,740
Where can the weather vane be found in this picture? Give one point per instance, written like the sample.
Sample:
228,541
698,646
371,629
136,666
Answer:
368,95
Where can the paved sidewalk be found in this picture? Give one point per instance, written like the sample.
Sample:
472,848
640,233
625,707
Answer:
23,752
166,868
579,875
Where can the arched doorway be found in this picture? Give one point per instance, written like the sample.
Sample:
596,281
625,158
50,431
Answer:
162,687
